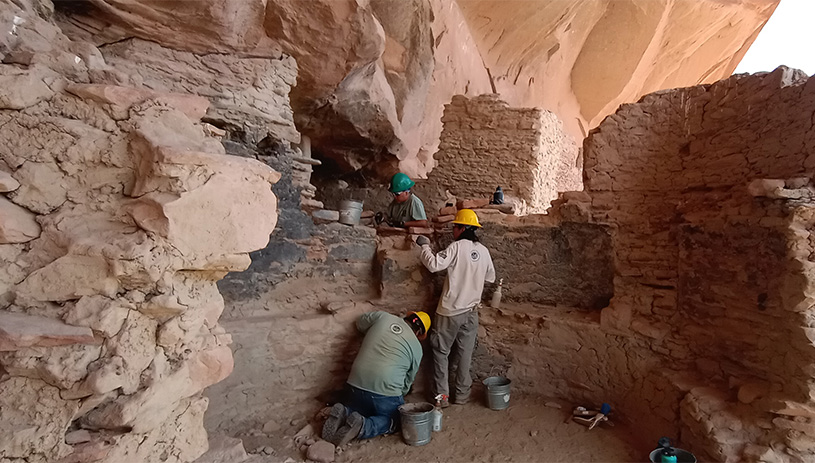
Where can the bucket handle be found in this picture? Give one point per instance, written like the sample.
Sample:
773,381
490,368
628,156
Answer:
492,371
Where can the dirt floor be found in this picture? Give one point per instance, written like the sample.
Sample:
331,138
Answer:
528,431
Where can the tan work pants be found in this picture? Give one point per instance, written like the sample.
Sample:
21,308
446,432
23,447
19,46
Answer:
459,332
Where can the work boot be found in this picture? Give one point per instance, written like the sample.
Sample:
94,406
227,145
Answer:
335,420
351,429
461,400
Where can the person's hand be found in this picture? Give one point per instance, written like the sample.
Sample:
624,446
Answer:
421,240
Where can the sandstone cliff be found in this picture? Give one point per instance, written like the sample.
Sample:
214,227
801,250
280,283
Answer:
374,75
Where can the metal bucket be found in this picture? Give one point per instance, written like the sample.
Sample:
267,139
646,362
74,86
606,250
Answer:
497,392
682,456
350,211
417,423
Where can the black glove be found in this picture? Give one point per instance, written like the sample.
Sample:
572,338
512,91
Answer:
421,240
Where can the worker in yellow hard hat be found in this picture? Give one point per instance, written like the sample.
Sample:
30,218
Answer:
469,265
406,209
382,373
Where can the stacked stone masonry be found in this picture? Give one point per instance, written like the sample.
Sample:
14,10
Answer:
708,192
485,143
698,222
109,307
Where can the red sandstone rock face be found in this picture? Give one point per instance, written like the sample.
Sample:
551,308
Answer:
374,75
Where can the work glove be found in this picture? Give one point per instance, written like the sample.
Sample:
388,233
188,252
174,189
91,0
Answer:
379,218
421,240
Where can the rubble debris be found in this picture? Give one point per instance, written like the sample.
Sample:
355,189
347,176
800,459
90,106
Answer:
321,451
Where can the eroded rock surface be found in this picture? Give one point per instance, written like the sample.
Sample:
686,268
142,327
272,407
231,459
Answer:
374,75
119,213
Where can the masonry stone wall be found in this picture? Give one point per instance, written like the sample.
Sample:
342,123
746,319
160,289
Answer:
552,264
485,144
708,190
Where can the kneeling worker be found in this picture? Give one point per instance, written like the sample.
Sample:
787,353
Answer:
381,375
406,209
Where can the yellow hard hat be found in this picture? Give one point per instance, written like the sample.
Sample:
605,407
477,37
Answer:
467,217
424,318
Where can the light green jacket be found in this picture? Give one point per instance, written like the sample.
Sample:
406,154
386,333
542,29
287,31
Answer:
389,357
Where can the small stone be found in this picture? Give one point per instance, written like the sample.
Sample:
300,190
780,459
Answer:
366,214
553,405
533,433
77,437
420,231
310,441
444,218
765,187
306,431
325,216
581,196
449,210
17,224
293,422
271,427
7,183
322,452
268,450
798,182
472,203
311,204
20,331
308,161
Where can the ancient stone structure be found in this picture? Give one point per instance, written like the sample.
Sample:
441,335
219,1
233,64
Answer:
109,323
291,313
485,143
708,335
712,259
676,286
374,75
704,216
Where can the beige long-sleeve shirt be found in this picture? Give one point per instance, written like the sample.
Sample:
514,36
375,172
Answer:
468,265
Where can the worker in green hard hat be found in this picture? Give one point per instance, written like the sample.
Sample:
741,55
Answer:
406,209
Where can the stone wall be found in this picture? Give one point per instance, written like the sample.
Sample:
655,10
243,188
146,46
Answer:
485,143
291,313
109,307
552,264
712,260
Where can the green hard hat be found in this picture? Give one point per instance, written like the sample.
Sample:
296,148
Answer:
401,182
